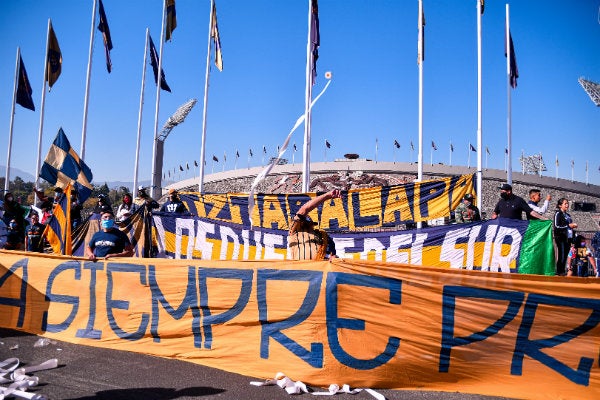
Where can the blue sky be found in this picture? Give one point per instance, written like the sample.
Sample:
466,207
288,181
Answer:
370,46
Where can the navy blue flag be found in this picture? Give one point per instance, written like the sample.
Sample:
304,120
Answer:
63,167
154,62
171,19
315,39
433,145
396,144
514,71
103,27
53,59
472,148
327,144
24,91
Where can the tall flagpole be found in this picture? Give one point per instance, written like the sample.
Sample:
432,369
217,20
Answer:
42,103
205,109
87,83
153,191
12,120
420,61
307,101
139,130
479,107
509,102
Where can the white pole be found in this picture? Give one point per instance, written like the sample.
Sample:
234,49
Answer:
307,101
87,82
153,193
12,120
508,97
420,41
479,108
42,103
205,109
139,130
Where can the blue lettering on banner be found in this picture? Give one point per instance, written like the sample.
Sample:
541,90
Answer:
208,320
450,293
428,193
61,298
21,302
314,356
360,221
334,323
533,347
190,301
111,304
89,331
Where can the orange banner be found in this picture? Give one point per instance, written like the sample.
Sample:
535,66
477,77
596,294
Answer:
364,323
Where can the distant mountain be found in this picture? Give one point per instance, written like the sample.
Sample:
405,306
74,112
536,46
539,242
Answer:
14,172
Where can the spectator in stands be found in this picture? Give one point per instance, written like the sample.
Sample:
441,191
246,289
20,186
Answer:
126,208
596,245
34,241
512,206
144,199
109,241
174,204
14,236
14,211
466,210
563,234
304,241
535,196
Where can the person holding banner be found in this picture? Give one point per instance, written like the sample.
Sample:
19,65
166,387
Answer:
109,241
304,241
512,206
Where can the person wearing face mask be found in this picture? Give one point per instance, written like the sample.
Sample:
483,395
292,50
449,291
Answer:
14,237
14,211
34,241
126,208
109,241
581,259
512,206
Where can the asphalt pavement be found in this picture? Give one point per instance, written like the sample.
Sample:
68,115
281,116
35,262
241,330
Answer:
86,373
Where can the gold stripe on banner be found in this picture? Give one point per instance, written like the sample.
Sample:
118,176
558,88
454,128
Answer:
367,324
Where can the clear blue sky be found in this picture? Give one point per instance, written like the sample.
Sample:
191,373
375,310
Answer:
369,45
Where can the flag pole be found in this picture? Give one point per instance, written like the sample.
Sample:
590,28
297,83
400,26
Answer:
87,83
139,130
509,100
420,58
205,109
12,120
479,108
42,103
307,101
155,173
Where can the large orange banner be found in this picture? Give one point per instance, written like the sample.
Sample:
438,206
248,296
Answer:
364,323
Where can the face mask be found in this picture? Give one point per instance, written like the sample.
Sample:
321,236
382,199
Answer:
582,244
9,199
504,195
13,225
57,194
107,223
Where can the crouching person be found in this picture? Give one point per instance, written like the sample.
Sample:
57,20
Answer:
109,241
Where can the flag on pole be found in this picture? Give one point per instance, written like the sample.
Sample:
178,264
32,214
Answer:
58,228
154,62
505,150
171,19
54,58
180,168
557,160
187,166
451,147
215,158
63,167
572,163
412,146
472,148
514,71
487,149
224,157
433,145
250,151
237,153
396,144
103,27
421,44
195,163
482,5
315,39
327,144
24,90
265,149
295,148
214,34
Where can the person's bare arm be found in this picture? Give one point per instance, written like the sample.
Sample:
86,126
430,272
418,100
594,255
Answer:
312,203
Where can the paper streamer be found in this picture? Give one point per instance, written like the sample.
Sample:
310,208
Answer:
262,175
19,380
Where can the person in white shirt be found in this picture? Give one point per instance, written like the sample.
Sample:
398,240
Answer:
535,196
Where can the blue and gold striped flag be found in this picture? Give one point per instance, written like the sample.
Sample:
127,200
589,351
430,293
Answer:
58,228
63,167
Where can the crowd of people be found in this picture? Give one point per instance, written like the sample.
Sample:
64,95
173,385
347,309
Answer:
25,226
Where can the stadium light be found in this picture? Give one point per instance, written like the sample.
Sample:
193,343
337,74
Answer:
533,164
592,89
